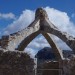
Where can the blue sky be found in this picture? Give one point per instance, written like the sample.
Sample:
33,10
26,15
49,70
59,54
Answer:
17,6
18,14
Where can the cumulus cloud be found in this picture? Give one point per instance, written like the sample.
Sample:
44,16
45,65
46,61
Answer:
57,17
61,20
23,21
31,52
38,43
7,16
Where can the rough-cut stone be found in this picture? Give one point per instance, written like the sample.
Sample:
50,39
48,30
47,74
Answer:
11,41
48,68
48,27
69,66
57,51
15,63
40,14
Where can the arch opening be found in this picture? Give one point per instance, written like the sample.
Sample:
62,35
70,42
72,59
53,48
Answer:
52,44
39,43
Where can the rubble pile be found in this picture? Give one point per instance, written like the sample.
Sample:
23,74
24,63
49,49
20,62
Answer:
15,63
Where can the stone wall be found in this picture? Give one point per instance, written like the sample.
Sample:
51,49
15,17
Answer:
69,66
15,63
49,68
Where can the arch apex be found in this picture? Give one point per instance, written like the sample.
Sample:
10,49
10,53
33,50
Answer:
41,13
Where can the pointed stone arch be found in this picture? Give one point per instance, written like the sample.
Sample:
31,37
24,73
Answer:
41,24
11,41
52,29
27,40
56,50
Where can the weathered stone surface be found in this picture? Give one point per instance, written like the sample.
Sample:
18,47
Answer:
41,14
15,63
49,68
26,41
69,66
57,51
47,26
11,41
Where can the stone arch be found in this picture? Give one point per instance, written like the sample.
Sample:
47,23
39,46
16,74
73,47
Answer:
57,51
41,24
51,28
26,41
11,41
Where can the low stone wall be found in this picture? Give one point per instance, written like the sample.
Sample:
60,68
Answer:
15,63
20,63
69,66
49,68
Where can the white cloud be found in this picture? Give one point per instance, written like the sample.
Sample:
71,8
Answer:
61,20
38,43
57,17
7,16
31,52
23,21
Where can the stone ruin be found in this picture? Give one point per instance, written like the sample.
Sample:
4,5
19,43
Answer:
18,62
15,63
